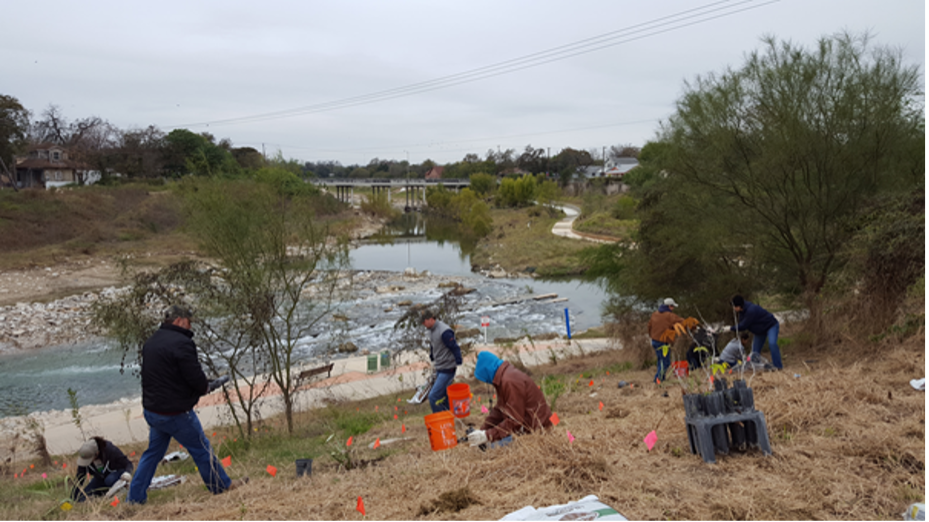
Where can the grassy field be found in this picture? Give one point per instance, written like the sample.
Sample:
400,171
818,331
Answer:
522,239
848,441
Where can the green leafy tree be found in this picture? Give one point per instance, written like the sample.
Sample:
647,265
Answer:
794,142
761,175
483,184
14,125
519,192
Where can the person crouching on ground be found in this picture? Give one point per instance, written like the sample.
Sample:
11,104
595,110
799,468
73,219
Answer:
446,358
520,408
761,323
734,352
172,383
105,463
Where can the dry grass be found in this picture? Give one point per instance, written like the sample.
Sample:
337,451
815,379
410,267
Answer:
848,439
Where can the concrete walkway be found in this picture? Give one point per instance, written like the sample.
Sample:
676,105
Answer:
565,227
123,422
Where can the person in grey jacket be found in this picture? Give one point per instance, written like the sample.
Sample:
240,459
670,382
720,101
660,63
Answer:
445,355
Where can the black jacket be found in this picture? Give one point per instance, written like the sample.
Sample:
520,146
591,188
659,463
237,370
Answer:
172,379
112,459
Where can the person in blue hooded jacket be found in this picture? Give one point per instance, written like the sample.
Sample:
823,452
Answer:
521,406
761,323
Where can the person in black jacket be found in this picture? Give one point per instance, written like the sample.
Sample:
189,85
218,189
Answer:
105,463
761,323
172,384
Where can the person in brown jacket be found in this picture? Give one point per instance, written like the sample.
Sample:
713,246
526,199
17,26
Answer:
662,332
520,408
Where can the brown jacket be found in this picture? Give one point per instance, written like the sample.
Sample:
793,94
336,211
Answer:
520,408
660,322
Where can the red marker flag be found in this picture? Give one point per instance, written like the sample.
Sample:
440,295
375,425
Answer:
403,428
115,502
554,418
227,461
271,470
348,442
591,383
360,507
601,405
395,416
377,443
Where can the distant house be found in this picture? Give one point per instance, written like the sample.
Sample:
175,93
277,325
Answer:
44,166
614,168
435,173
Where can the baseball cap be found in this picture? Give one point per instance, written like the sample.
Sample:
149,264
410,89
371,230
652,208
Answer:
670,302
86,454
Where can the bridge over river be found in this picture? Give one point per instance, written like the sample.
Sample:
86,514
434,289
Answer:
344,188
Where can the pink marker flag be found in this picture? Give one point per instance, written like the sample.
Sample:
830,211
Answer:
44,475
570,437
484,409
650,440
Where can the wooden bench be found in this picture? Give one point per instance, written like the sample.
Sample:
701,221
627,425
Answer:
316,371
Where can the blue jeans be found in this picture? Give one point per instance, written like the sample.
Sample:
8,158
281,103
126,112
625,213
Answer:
771,336
186,429
664,361
438,391
98,486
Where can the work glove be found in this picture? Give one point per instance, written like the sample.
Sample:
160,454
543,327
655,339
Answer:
217,383
478,437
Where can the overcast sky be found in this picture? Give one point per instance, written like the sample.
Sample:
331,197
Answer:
195,64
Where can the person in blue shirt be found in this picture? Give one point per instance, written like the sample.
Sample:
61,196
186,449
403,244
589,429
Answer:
761,323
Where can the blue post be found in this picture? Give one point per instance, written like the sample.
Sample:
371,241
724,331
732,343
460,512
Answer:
567,322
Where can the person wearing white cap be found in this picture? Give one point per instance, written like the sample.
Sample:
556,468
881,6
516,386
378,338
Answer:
105,463
661,331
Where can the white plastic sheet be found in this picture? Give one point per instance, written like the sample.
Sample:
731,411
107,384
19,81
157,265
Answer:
587,508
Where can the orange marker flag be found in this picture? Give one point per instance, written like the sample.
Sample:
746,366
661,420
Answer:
64,465
31,466
375,408
591,383
214,433
403,428
271,470
608,372
132,454
227,461
115,502
377,443
56,462
601,405
348,442
554,418
395,416
360,507
396,408
398,399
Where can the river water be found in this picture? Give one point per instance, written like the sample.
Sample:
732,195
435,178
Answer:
39,380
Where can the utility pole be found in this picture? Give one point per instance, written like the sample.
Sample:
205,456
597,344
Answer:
603,159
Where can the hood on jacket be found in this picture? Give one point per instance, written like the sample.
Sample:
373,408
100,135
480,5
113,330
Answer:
664,308
486,367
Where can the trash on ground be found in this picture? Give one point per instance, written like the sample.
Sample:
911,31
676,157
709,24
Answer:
175,457
622,384
919,384
587,508
916,511
165,481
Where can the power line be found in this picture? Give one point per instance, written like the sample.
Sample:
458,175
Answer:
456,142
653,27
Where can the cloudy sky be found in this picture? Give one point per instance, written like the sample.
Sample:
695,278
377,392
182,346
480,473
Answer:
354,80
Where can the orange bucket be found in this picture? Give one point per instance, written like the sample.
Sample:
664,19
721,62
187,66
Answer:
441,428
459,399
680,368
